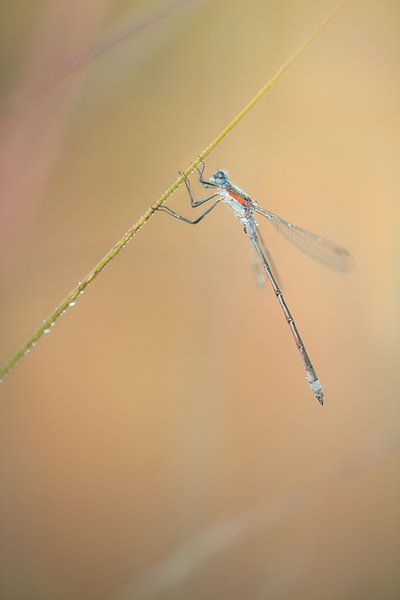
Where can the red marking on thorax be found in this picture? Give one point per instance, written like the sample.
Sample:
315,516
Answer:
238,197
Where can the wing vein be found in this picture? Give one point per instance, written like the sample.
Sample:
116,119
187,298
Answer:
318,248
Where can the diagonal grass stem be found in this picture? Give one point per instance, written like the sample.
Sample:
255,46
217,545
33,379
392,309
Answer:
73,295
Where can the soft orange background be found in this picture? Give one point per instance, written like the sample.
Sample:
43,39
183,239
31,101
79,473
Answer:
162,442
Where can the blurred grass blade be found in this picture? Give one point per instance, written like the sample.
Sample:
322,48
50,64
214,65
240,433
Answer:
76,63
73,295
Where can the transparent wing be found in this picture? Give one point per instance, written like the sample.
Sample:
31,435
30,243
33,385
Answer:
257,267
321,250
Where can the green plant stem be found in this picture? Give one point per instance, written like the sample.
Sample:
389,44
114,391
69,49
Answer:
71,298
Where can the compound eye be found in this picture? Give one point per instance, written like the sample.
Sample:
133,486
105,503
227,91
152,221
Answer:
220,175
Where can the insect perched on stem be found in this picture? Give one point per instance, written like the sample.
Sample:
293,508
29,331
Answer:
245,209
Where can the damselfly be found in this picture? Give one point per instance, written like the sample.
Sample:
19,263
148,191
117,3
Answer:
245,208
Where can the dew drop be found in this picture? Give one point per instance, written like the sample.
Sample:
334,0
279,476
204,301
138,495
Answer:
47,330
72,303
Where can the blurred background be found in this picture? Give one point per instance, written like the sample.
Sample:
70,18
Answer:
162,442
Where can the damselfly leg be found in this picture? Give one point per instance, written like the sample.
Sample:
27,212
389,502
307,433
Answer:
195,202
176,215
203,181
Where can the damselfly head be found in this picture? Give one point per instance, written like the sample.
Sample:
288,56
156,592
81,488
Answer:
220,178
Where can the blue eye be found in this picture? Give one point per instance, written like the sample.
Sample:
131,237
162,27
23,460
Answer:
220,177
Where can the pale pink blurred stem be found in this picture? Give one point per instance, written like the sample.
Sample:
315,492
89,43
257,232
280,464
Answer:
31,138
31,131
111,40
